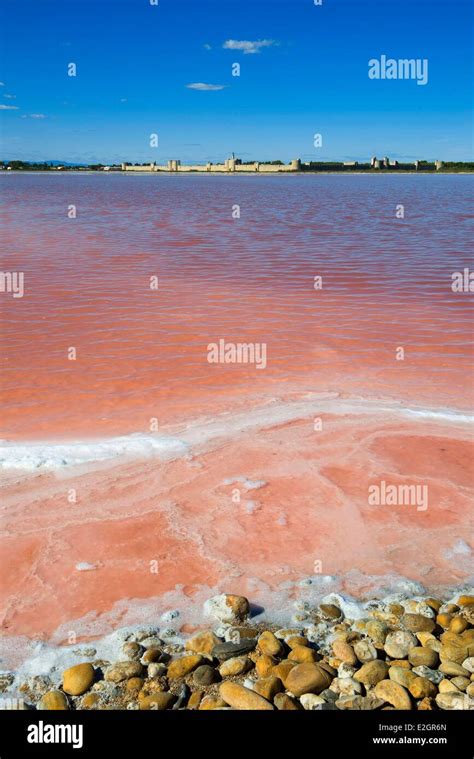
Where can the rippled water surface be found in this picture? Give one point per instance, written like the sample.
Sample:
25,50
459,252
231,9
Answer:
142,353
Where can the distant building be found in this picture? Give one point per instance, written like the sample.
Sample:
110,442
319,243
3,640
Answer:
230,165
350,163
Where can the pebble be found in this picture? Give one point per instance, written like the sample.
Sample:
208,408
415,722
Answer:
454,701
377,632
421,687
360,703
452,668
432,674
156,702
228,608
210,702
311,702
418,623
135,683
346,686
283,669
371,673
269,644
422,656
307,678
151,655
202,643
468,664
264,665
206,675
286,703
398,644
123,671
268,687
225,651
365,651
344,652
78,679
132,650
183,666
330,611
235,666
242,698
156,669
461,682
401,676
195,699
53,700
302,654
454,650
393,694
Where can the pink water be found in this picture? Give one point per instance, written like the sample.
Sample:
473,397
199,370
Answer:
142,355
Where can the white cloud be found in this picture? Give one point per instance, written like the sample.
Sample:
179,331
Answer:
8,107
207,47
205,87
248,46
10,97
37,116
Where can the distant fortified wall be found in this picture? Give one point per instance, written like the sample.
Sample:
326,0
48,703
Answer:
230,166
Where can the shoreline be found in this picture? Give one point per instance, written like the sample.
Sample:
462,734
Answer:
246,173
404,652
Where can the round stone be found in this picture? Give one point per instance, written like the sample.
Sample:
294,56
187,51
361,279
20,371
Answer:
236,666
365,651
53,700
418,623
202,642
421,687
422,656
78,679
183,666
268,687
240,697
371,673
228,608
393,694
123,671
344,652
269,644
156,702
132,650
311,702
398,644
206,675
302,654
307,678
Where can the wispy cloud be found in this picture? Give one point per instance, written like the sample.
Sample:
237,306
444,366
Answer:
248,47
34,116
207,46
205,87
4,107
123,100
2,84
10,97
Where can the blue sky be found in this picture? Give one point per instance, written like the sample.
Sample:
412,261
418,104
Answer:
135,61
